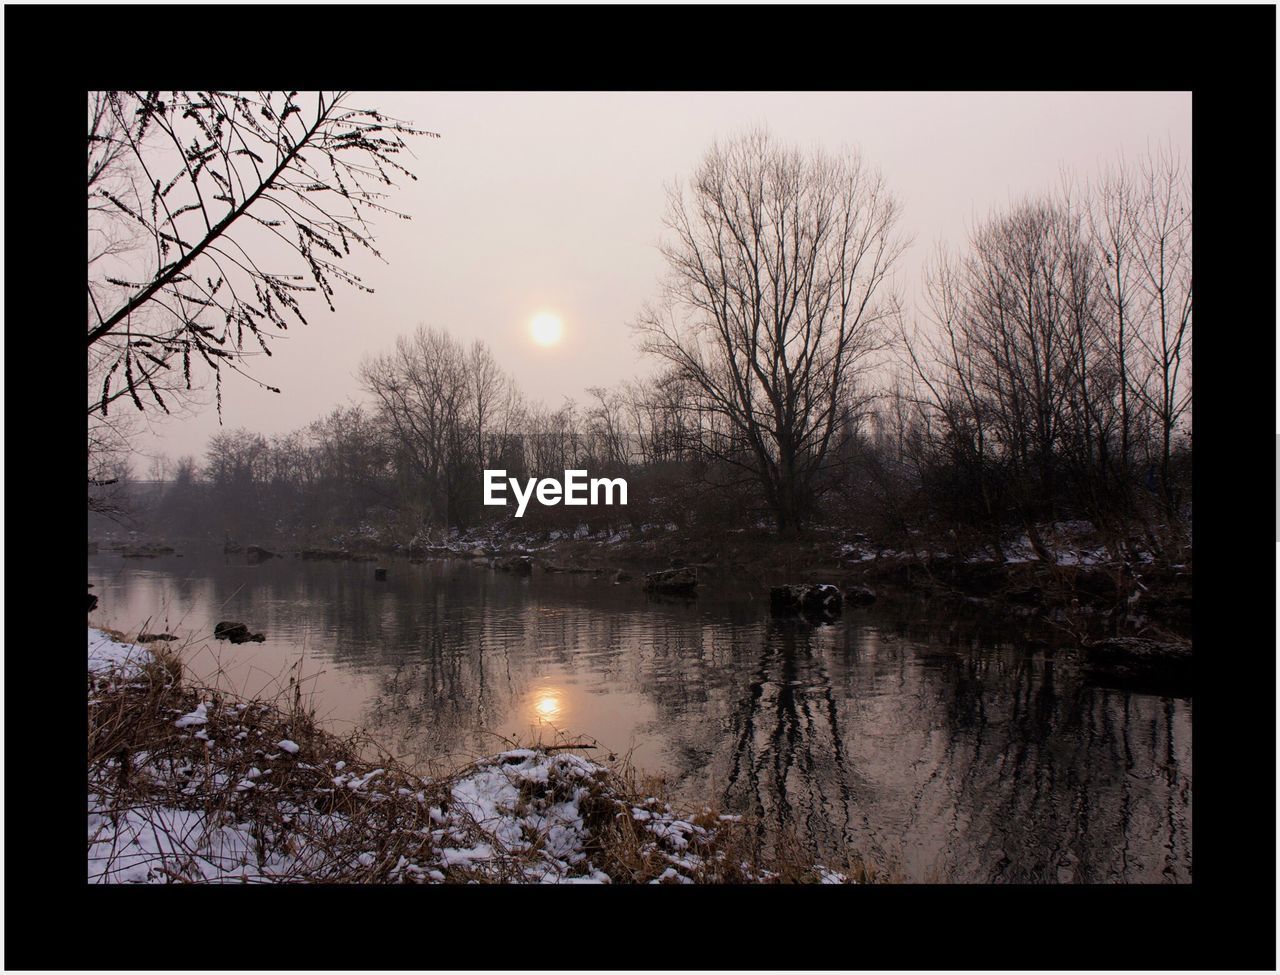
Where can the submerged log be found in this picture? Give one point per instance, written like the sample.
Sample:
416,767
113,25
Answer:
1139,658
146,551
333,555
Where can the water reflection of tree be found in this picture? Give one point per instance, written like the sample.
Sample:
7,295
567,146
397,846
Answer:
966,763
930,741
1047,780
786,761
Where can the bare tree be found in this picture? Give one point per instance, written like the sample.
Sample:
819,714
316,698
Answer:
487,390
110,171
422,391
109,457
609,446
1012,378
1055,371
775,300
237,204
1162,225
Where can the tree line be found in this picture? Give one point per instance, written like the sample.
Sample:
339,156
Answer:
1047,378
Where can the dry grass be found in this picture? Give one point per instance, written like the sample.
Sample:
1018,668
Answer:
222,800
232,772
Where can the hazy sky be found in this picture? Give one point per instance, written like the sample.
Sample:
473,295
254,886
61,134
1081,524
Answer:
552,201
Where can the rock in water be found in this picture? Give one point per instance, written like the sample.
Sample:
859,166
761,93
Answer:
256,553
226,630
236,633
810,600
683,580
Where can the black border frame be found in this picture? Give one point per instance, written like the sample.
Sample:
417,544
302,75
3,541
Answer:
1225,55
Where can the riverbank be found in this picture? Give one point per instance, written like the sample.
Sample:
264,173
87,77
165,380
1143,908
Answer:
1070,571
190,784
1067,569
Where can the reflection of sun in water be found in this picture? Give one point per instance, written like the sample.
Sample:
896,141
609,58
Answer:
547,706
546,328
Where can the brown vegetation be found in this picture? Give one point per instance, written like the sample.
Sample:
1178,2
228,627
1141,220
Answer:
219,788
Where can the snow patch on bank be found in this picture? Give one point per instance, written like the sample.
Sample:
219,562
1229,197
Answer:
106,654
236,809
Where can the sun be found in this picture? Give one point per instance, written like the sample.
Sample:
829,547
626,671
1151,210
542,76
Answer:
546,328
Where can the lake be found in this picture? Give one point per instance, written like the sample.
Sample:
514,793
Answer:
938,743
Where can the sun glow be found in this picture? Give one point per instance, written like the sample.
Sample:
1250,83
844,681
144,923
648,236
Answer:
547,705
546,328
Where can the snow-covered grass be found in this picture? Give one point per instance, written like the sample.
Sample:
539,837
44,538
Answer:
188,784
106,654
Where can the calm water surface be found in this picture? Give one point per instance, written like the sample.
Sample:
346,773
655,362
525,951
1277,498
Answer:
928,739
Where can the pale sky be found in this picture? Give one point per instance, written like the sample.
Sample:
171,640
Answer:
552,201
